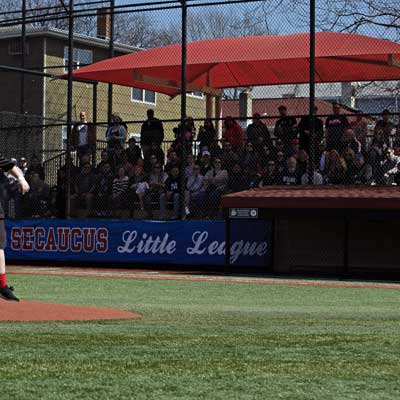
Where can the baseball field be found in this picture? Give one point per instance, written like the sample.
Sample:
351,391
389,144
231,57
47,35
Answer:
203,337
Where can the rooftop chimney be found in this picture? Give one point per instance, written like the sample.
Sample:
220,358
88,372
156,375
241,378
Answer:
103,23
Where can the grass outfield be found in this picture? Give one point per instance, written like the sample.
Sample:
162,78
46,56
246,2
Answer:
205,340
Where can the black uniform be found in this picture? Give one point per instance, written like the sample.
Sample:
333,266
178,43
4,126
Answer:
5,165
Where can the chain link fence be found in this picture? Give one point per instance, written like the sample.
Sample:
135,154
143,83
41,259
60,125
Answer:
127,162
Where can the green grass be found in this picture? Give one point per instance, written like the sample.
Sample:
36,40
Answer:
205,340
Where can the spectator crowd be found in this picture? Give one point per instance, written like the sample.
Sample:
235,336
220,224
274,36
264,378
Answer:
139,179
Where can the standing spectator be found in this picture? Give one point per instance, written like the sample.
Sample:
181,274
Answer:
133,152
304,128
387,127
152,131
335,124
83,136
116,133
207,134
285,128
233,133
35,167
171,194
258,133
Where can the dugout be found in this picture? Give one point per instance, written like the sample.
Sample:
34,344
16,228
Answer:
325,229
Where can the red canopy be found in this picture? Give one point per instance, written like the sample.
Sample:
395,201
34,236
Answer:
252,61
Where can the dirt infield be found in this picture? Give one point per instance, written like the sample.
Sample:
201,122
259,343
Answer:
193,276
38,311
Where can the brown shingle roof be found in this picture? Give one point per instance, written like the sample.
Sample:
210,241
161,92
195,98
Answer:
321,197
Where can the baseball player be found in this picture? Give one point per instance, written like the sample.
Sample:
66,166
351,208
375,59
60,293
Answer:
6,292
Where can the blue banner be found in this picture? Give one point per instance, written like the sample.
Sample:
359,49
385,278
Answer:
166,242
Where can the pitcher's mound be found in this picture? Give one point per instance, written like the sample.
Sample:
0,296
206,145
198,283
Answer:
38,311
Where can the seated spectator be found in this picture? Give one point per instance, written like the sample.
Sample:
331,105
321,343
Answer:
264,155
120,191
258,133
228,156
294,148
189,165
290,174
194,185
280,163
22,164
252,178
137,188
103,160
36,201
233,134
215,185
316,178
154,151
173,161
363,175
125,164
207,134
103,191
335,168
387,127
351,169
302,162
85,186
171,194
35,167
271,176
388,169
133,152
150,162
205,162
215,149
156,183
360,128
350,142
249,157
237,181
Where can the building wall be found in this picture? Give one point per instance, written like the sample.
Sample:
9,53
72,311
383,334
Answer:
56,99
21,142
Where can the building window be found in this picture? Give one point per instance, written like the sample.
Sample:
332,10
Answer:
197,95
64,137
81,58
143,96
15,49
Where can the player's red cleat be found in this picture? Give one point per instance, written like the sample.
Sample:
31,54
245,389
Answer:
6,293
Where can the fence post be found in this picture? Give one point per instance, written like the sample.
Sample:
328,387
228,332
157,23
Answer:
312,94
